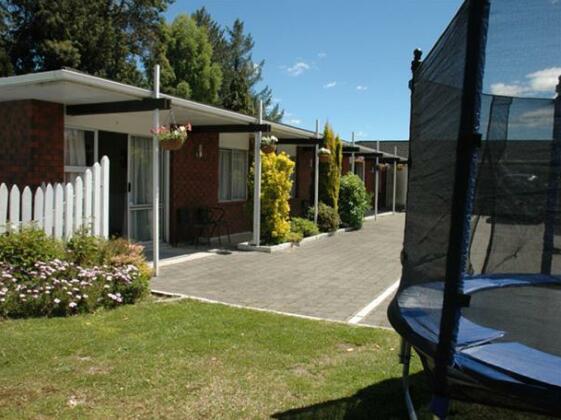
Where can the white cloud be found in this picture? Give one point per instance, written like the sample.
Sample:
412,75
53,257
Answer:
539,82
330,85
298,68
514,89
361,87
322,55
541,117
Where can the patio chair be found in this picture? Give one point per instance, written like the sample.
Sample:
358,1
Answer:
219,220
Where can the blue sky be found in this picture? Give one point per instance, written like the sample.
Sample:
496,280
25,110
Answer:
342,61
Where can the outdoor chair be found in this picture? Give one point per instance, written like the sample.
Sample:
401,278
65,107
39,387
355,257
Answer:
219,220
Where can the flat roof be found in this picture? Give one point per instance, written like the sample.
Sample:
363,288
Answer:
72,87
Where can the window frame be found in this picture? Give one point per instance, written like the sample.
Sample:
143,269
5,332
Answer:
230,152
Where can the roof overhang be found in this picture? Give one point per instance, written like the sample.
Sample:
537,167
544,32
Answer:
73,88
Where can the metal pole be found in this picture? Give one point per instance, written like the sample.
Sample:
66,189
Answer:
316,175
353,154
156,178
257,182
394,178
376,182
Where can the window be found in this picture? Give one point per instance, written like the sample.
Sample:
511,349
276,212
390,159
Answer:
79,152
232,183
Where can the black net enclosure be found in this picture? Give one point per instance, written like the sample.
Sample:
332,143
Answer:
480,292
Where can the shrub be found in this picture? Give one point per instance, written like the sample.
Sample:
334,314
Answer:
62,288
294,237
26,247
328,219
354,201
276,170
304,226
330,171
40,275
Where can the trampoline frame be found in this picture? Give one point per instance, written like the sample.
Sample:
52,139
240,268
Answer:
467,154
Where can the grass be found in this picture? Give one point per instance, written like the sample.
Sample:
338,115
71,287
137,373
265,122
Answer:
195,360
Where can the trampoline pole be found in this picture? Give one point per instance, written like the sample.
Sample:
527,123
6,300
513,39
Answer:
405,359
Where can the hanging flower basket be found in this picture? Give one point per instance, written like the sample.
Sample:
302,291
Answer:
400,167
381,166
269,144
172,138
324,154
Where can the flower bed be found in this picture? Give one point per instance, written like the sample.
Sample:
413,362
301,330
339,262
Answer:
89,273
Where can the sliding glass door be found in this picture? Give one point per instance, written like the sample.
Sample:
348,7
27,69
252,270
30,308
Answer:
140,189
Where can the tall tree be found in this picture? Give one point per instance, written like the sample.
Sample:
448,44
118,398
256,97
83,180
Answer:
5,64
215,34
189,54
101,37
232,50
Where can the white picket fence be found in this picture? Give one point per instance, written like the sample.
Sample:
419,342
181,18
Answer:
60,209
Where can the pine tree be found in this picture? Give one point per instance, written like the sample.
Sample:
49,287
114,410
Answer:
5,64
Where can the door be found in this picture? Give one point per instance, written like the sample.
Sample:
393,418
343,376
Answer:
140,189
114,146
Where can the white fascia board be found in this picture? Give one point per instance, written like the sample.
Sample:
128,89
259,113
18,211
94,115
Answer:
134,91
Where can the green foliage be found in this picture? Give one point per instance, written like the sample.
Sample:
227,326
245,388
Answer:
330,171
328,218
101,37
42,276
25,248
192,73
304,226
276,184
354,201
294,237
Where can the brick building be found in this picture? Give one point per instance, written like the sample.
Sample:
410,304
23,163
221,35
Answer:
53,125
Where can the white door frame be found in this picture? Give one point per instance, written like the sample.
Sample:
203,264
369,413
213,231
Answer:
164,204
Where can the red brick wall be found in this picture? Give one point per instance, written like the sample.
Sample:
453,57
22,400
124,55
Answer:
304,182
194,184
346,164
32,142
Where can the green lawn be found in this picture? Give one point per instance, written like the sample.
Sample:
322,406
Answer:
194,360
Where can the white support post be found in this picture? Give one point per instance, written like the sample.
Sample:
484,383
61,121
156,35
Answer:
257,181
353,153
376,181
394,179
316,175
156,178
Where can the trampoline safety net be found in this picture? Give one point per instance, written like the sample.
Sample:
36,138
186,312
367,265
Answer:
505,338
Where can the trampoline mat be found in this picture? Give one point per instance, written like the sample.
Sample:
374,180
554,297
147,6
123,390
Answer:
528,315
510,328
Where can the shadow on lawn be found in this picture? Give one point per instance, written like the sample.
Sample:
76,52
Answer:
383,400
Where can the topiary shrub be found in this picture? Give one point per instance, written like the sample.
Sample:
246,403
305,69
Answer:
354,201
328,219
304,226
276,184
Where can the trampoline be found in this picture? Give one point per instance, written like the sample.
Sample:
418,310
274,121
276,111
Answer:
480,293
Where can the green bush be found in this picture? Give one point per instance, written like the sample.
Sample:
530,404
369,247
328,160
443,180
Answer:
328,219
354,201
330,171
26,247
42,276
276,184
294,237
304,226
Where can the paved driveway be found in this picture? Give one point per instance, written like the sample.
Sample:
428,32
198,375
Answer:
334,278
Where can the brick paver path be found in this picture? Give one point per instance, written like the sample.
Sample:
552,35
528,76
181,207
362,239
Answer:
332,278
